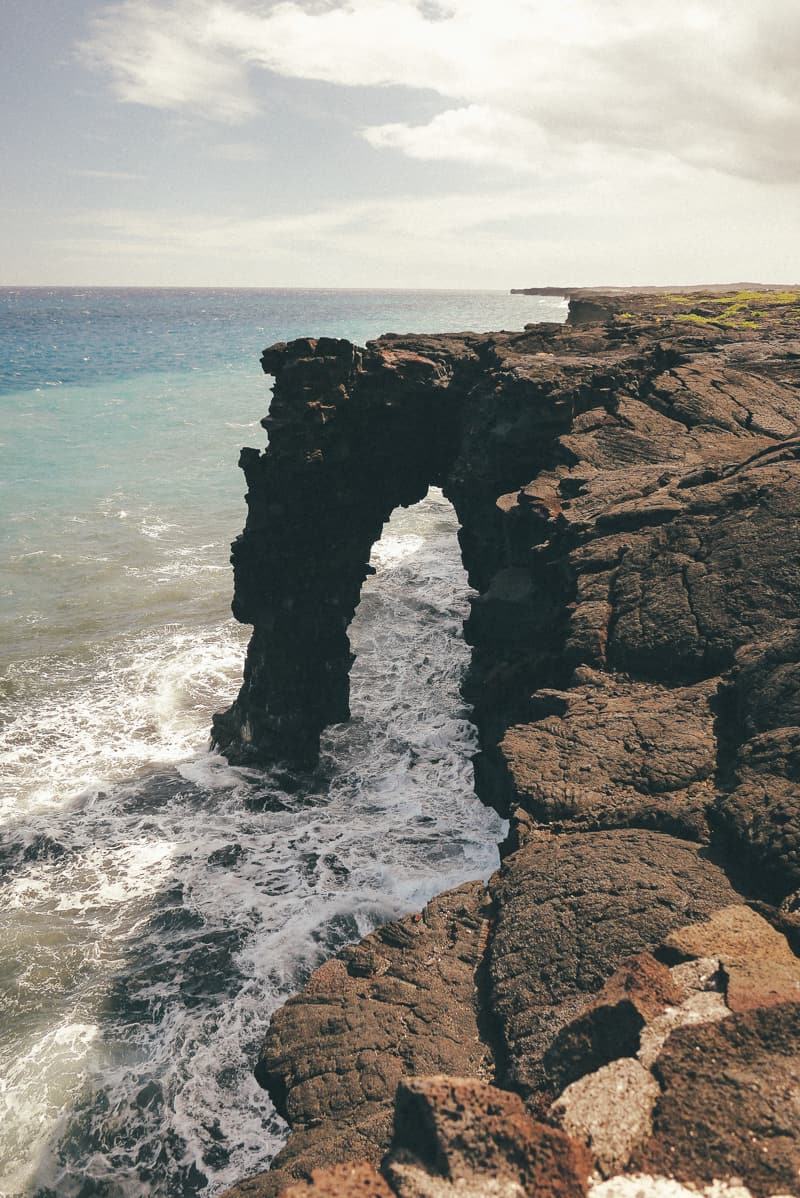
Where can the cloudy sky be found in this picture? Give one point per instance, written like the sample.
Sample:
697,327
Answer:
433,143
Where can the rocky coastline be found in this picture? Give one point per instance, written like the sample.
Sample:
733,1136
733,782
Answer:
617,1011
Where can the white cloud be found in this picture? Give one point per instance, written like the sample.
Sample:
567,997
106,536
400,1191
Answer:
426,219
713,83
237,151
167,56
498,237
476,134
112,176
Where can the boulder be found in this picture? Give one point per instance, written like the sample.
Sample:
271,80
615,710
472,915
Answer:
570,908
609,1111
759,967
455,1136
611,1025
730,1103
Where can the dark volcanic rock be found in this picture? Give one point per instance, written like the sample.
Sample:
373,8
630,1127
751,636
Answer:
654,537
628,488
723,573
762,815
612,751
403,1001
354,433
570,909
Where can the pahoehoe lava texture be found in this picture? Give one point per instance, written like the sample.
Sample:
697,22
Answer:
628,488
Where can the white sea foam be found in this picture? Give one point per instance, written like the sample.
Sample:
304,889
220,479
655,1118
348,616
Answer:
131,704
154,529
36,1088
172,901
392,549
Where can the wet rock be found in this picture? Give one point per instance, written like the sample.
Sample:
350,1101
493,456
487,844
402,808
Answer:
609,1111
403,1001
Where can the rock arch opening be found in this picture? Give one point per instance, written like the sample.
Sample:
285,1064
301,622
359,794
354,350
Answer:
407,631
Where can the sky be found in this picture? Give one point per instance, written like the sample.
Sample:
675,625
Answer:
399,143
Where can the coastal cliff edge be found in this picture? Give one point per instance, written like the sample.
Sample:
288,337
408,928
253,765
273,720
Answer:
620,1004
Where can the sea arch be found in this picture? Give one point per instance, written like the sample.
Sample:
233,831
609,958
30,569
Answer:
353,434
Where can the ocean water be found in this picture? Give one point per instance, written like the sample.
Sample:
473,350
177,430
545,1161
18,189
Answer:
156,904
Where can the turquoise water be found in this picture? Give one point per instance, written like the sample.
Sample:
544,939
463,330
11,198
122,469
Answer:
122,415
156,904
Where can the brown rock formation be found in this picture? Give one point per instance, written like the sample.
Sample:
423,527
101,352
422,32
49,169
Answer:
629,495
456,1134
657,764
403,1001
352,1180
570,910
758,966
729,1104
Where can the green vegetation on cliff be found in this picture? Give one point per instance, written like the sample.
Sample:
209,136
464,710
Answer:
741,310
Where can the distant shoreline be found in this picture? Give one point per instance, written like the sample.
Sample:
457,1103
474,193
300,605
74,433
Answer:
658,289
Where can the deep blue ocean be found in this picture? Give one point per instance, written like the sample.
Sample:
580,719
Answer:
156,904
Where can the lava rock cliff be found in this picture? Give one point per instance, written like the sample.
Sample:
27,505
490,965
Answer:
628,489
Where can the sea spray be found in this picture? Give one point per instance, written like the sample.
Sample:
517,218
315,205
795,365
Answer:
183,903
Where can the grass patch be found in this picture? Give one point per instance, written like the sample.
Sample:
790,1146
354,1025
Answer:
719,321
740,310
